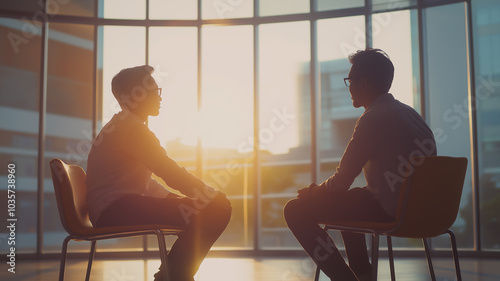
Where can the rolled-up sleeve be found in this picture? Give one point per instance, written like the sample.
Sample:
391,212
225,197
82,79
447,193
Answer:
147,150
362,146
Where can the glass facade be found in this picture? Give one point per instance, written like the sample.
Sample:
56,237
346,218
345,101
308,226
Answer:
68,121
486,31
285,157
20,64
225,125
446,83
241,108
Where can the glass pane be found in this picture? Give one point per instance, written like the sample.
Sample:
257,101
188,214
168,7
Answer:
69,113
324,5
122,47
223,9
123,9
403,52
173,9
486,16
337,39
447,92
226,124
20,55
285,124
83,8
384,5
23,6
402,49
283,7
173,54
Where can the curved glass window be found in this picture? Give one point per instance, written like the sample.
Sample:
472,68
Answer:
253,97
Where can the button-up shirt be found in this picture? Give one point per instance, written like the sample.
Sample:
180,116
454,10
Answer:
121,161
385,138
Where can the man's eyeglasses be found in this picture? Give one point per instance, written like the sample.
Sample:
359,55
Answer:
347,81
159,92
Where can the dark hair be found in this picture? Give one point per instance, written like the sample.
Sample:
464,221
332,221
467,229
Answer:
375,66
130,80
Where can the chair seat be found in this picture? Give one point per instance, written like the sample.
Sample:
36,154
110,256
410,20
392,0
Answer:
101,232
369,226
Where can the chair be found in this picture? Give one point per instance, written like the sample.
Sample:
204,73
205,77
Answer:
70,191
428,206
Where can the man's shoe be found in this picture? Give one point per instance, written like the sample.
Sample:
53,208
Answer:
160,276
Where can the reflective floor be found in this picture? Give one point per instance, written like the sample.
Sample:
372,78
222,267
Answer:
247,269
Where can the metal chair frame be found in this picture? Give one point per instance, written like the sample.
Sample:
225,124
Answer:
85,231
375,251
377,231
160,234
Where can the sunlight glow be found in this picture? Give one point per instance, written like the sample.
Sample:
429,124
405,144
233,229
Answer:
284,57
125,9
173,54
123,47
392,33
225,116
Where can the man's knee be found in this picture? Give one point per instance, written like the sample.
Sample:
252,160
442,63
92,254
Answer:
292,210
218,211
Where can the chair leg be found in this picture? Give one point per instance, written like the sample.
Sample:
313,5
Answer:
63,257
429,260
455,254
316,274
91,259
375,257
162,245
391,258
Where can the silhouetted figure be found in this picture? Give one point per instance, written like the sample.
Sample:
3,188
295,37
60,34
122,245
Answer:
120,188
385,137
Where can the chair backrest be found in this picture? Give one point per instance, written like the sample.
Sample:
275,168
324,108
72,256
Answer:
71,192
430,196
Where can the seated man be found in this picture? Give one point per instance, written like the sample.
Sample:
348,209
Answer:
122,192
385,137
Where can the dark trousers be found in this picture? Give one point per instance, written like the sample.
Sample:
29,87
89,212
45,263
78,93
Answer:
202,222
304,215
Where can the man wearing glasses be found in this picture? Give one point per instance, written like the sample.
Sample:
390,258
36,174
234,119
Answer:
385,137
120,190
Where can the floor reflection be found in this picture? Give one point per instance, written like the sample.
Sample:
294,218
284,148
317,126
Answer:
248,269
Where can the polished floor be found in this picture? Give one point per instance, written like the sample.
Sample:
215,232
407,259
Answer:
248,269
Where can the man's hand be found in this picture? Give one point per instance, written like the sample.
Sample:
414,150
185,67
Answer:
222,199
311,191
306,191
208,194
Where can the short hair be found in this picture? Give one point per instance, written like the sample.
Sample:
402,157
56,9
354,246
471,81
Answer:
132,79
376,66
